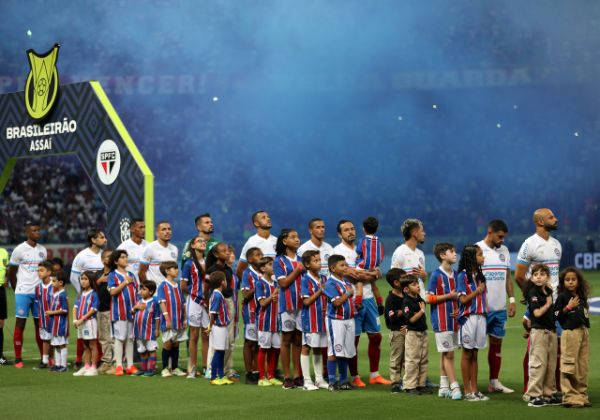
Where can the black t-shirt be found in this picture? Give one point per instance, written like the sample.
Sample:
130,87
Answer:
103,296
536,298
575,318
393,304
228,275
411,307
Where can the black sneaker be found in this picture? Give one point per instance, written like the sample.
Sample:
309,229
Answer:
279,375
537,402
346,387
424,390
250,379
554,400
412,391
78,365
42,365
4,361
333,387
298,382
396,388
288,383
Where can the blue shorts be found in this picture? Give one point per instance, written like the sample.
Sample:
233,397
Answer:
496,323
367,319
24,303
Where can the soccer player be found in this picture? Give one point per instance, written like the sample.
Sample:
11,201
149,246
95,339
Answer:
172,321
472,312
366,319
205,228
146,323
268,323
316,229
396,323
249,311
135,245
340,323
288,272
262,239
156,253
407,256
314,335
59,321
3,304
23,277
442,298
122,286
193,284
219,320
499,284
43,298
84,319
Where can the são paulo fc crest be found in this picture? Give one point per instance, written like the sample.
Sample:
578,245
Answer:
108,162
41,87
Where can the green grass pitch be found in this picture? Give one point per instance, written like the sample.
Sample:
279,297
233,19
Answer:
28,393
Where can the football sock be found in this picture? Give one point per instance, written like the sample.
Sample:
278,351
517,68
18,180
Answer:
444,382
63,356
454,385
1,341
45,358
129,352
305,364
261,362
175,357
331,368
324,361
273,356
214,369
374,352
118,353
353,361
39,341
18,342
79,351
144,362
318,367
152,363
165,358
494,360
343,368
220,356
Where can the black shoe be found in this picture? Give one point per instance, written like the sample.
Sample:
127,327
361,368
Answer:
396,388
42,365
424,390
333,387
554,400
251,379
412,391
4,361
346,387
279,375
288,383
299,382
537,402
78,365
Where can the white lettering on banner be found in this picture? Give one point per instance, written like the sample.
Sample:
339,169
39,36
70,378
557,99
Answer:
65,126
587,260
39,145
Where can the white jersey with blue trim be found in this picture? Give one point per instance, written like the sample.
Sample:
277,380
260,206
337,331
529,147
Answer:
86,260
135,253
27,258
325,251
154,255
266,245
349,253
495,266
536,249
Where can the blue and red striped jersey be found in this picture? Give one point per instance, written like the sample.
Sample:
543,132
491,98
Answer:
249,279
268,316
369,252
59,324
288,296
441,313
313,315
194,278
465,285
85,302
171,295
218,308
335,288
144,321
43,297
122,303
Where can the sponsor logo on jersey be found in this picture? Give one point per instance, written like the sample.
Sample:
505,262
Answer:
41,87
557,252
502,257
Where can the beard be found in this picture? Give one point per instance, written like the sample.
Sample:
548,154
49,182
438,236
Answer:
551,227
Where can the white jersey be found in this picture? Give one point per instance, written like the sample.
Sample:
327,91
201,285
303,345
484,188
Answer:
267,246
536,249
86,260
408,260
154,255
495,268
349,253
135,253
325,251
27,258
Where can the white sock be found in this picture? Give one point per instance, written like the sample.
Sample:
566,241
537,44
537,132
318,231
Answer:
318,367
494,382
305,365
45,358
374,374
454,385
129,352
63,356
118,349
444,382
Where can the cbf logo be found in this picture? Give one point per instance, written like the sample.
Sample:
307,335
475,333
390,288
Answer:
124,229
108,162
41,87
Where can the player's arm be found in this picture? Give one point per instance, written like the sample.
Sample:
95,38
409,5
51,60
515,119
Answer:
74,315
88,315
165,312
465,298
539,310
12,275
143,270
340,299
184,285
241,267
520,272
287,281
413,318
432,297
114,291
310,299
512,307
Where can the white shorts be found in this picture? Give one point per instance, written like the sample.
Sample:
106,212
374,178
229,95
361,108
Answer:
197,316
45,335
340,338
473,333
268,340
59,341
446,341
122,330
174,335
146,345
88,330
219,338
250,332
291,321
314,340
